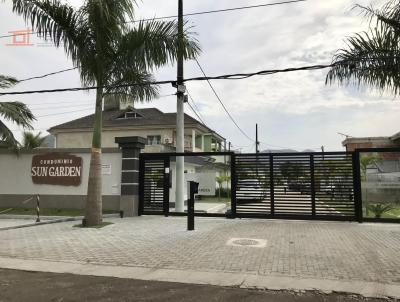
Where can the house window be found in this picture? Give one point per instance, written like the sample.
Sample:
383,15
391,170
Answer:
130,115
153,140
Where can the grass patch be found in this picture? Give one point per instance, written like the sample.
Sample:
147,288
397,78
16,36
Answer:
49,212
99,226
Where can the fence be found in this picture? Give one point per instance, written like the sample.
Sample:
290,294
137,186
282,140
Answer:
350,186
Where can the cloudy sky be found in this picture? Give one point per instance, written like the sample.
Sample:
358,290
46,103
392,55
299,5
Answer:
295,110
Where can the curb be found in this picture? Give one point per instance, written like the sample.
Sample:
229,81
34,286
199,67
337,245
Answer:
65,219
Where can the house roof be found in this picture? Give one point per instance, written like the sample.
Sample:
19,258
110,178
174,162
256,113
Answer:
114,118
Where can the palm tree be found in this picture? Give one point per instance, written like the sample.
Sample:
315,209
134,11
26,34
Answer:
107,53
372,57
15,112
31,141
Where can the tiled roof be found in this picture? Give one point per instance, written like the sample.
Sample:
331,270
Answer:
112,118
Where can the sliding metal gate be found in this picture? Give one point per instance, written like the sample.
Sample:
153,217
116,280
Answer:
295,185
321,186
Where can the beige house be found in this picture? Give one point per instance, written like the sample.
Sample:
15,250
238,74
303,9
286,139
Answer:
157,127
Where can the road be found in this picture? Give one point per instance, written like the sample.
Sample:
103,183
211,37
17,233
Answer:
29,286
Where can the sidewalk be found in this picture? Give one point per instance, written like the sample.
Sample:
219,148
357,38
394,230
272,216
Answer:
327,256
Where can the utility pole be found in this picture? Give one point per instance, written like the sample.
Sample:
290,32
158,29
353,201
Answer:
229,148
257,142
180,124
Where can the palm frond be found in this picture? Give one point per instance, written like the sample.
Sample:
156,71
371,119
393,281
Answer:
372,59
6,134
18,113
7,82
125,74
32,141
155,43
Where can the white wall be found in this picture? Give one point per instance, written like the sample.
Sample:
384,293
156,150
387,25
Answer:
16,176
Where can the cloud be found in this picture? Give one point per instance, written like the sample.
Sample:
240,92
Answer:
292,110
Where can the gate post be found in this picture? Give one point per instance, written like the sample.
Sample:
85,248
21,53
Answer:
358,211
312,172
233,186
130,147
271,185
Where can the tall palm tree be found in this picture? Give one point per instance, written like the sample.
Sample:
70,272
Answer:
15,112
31,141
107,53
372,58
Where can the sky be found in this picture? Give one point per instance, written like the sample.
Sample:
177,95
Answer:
293,110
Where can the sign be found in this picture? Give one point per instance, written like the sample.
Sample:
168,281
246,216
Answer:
207,184
56,169
106,169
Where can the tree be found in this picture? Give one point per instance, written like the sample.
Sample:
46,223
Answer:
31,141
109,55
372,58
220,180
15,112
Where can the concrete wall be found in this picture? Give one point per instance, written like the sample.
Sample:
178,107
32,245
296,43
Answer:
16,183
84,139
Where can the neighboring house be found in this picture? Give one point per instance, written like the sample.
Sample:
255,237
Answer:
157,127
49,142
352,143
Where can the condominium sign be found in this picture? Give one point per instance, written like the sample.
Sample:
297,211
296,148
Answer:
56,169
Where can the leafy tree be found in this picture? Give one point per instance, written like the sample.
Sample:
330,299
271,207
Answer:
220,180
31,141
15,112
372,57
365,161
108,53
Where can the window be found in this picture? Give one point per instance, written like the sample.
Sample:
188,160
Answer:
153,140
130,115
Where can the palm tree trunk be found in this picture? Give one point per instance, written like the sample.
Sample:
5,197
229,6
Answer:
94,203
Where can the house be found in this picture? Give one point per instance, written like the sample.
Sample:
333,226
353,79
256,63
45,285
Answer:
158,127
352,143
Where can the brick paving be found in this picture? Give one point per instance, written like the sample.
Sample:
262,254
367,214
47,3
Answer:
322,250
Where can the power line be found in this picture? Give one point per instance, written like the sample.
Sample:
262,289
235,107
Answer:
194,14
62,107
47,75
194,111
77,102
220,101
219,11
61,113
195,106
58,102
237,76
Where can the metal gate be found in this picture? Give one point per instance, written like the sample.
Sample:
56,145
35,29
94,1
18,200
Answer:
295,185
304,186
154,185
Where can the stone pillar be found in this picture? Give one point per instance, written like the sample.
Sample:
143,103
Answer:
130,147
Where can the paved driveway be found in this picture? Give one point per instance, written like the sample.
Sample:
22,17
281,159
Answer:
318,250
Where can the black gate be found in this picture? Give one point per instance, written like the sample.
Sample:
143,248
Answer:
304,186
154,185
295,185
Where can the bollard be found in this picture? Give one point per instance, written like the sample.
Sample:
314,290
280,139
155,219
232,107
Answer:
38,208
193,189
